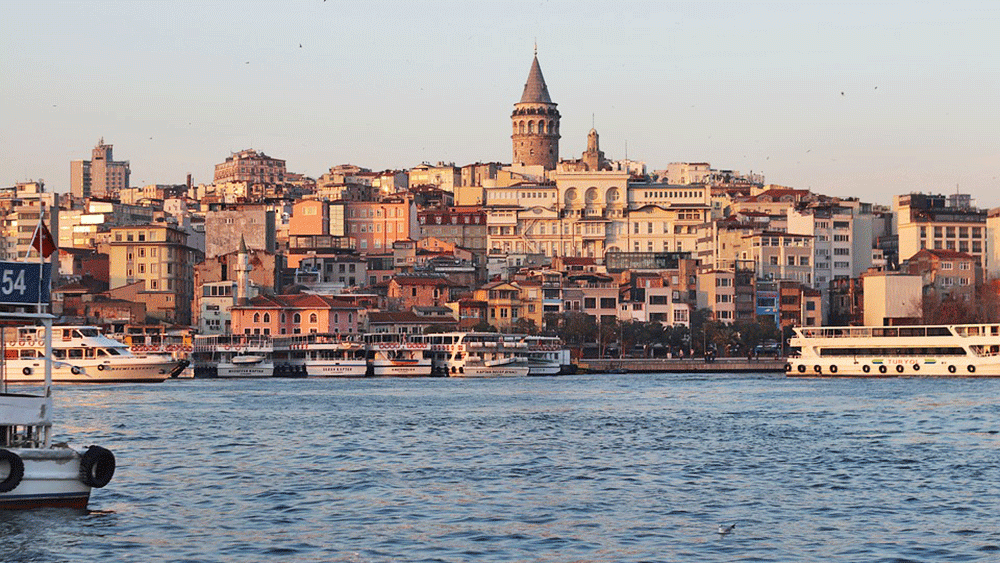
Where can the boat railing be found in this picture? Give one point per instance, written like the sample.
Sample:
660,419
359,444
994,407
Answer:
884,332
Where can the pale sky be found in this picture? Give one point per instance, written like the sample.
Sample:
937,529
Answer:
848,99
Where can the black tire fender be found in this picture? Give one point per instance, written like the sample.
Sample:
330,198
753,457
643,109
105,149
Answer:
97,467
952,369
16,470
866,368
75,370
100,367
788,367
833,369
26,371
972,368
802,368
900,368
882,369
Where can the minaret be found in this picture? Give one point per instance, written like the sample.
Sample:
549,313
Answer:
242,273
536,123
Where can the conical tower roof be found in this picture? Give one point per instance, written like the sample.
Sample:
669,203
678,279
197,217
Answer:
535,90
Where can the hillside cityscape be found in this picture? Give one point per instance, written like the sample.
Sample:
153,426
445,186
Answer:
613,256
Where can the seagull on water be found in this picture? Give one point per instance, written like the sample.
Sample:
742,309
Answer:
723,529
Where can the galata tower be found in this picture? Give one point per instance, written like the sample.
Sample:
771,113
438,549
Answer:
536,123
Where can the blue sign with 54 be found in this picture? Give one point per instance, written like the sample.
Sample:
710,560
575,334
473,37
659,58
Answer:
24,283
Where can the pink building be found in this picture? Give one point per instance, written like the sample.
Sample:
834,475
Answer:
298,314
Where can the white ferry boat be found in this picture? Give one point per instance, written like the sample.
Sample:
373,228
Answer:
37,473
320,355
82,354
545,355
233,356
395,355
872,351
474,354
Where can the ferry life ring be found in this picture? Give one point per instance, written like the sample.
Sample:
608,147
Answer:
866,368
21,343
26,371
802,368
818,368
833,369
882,369
97,467
952,369
900,368
971,368
75,370
16,471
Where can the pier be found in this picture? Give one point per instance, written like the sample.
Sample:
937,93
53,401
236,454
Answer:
689,365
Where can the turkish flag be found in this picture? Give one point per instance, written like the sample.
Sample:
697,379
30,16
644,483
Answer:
42,241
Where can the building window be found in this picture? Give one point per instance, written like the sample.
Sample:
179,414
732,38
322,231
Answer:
313,318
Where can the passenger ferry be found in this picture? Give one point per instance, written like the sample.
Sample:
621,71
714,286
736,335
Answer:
475,354
545,355
395,355
82,354
320,355
940,350
233,356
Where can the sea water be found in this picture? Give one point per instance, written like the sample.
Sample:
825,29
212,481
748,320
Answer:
587,468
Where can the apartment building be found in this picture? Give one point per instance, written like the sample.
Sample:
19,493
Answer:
159,257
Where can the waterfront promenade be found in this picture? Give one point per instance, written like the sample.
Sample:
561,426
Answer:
676,365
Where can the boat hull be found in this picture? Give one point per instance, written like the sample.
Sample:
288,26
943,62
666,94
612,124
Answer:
391,368
149,369
245,371
508,370
891,367
345,368
51,480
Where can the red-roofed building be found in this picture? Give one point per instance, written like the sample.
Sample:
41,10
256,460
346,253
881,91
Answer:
298,314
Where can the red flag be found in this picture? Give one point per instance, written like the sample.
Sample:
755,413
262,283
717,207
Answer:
42,241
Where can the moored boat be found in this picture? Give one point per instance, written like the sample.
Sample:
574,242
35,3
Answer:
873,351
233,356
474,354
395,355
320,355
82,354
545,355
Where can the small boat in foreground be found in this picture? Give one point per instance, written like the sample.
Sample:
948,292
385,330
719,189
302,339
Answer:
34,472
